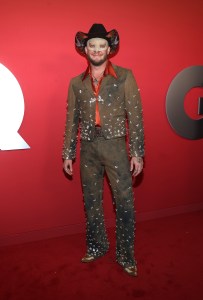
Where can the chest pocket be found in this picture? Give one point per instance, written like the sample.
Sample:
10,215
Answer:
113,94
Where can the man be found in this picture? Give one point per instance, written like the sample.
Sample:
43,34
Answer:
101,99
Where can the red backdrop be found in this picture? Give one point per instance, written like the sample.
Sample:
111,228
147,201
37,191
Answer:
158,40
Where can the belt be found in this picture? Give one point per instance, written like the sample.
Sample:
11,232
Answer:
98,131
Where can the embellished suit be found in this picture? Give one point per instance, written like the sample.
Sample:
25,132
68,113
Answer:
121,114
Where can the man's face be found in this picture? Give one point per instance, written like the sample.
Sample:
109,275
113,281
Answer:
97,51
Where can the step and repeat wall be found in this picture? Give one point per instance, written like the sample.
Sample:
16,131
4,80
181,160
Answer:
161,41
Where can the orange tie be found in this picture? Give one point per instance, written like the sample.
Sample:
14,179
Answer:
96,88
97,116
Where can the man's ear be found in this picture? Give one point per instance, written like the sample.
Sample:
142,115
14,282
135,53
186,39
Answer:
108,50
86,50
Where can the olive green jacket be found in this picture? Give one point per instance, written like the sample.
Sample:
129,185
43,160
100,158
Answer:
119,101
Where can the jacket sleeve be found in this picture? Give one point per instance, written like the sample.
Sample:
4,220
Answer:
135,116
71,127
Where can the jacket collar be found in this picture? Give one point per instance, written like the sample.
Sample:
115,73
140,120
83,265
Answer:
108,71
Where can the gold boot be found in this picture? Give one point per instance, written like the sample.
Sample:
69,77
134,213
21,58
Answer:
132,271
88,258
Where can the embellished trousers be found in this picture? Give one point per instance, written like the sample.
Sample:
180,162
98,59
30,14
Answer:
96,158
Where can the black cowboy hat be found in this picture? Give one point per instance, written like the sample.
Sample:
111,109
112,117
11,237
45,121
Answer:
97,31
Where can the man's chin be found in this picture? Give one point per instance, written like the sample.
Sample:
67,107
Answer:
97,63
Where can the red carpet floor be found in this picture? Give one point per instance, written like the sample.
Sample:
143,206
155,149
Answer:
169,252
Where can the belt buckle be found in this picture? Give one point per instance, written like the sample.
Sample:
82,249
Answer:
98,131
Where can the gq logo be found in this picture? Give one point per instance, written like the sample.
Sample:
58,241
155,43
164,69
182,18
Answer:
183,125
11,111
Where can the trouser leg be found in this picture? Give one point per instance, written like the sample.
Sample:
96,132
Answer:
118,170
92,172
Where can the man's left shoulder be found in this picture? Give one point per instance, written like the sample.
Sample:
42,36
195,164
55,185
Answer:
121,70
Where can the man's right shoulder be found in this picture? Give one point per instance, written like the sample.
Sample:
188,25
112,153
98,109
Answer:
77,78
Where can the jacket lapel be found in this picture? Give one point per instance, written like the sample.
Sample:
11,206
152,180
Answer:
88,85
107,82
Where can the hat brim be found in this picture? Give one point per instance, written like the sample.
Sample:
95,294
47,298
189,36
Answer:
112,37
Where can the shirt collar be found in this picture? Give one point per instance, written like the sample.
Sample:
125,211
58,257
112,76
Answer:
108,71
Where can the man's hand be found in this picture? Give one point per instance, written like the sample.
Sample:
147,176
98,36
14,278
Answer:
68,166
136,165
